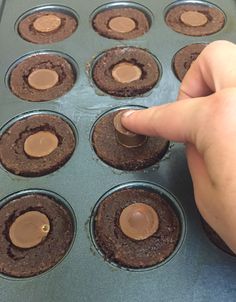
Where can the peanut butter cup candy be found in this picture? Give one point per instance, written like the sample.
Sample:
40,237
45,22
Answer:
36,145
42,77
121,23
139,221
47,27
194,19
136,228
122,149
36,232
126,72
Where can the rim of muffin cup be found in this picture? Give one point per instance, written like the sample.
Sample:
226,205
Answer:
122,4
59,200
149,187
173,58
101,161
100,92
74,65
50,7
194,2
25,115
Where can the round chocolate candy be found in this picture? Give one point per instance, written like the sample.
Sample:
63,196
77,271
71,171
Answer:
193,18
125,137
29,229
126,72
42,79
139,221
40,144
47,23
122,24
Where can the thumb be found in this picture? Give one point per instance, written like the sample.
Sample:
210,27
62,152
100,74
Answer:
175,121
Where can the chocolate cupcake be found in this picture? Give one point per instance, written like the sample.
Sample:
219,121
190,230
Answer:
185,57
136,228
42,77
126,72
195,19
216,239
121,23
123,149
36,145
47,27
35,233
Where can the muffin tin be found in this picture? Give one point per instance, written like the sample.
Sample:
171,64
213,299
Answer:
197,270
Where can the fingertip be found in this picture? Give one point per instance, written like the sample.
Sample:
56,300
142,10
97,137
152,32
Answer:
128,119
127,113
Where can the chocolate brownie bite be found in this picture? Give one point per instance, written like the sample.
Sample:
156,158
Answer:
216,239
126,72
47,27
42,77
185,57
195,19
36,145
35,234
121,23
136,228
123,149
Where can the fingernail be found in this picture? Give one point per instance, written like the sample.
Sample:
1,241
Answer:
128,113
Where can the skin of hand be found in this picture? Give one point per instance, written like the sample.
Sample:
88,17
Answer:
204,118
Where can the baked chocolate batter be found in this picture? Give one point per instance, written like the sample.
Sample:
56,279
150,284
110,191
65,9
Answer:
22,154
29,261
47,27
113,153
126,72
121,23
41,78
185,57
195,19
128,252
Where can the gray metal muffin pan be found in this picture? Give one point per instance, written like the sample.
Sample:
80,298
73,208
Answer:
198,271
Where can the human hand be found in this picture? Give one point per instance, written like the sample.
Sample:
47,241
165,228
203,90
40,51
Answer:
204,118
